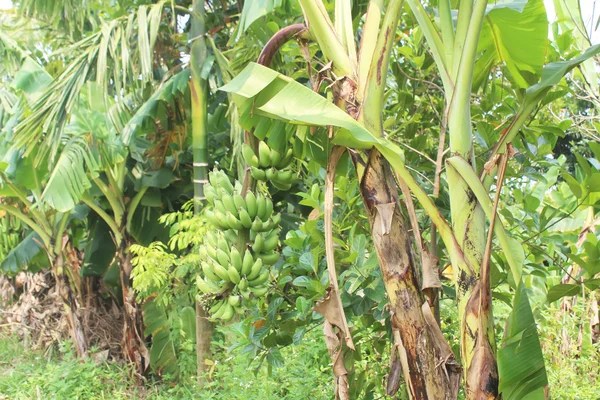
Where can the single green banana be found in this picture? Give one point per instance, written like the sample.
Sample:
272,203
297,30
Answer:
222,258
268,209
258,174
210,216
284,187
285,176
219,313
233,222
257,225
264,154
262,278
268,225
223,244
270,174
228,313
225,184
216,307
234,300
259,243
251,204
234,275
236,259
239,201
286,160
205,286
269,258
220,219
261,204
247,263
256,270
212,252
229,204
270,242
220,207
221,272
202,252
245,218
275,157
209,272
212,178
243,285
260,291
249,155
231,236
210,194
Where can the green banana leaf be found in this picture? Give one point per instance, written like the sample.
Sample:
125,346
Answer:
254,10
99,250
271,94
552,74
516,35
156,106
187,317
163,358
25,254
520,359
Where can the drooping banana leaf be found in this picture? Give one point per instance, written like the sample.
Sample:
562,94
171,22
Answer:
162,352
25,254
271,94
99,251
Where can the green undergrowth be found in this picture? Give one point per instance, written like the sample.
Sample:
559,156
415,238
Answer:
56,374
572,360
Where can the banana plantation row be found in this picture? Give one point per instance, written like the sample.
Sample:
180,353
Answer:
281,165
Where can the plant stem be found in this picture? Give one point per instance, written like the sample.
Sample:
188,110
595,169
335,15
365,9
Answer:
135,201
44,236
110,221
321,28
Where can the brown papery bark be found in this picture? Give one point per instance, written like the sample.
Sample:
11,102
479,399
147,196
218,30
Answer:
70,306
427,374
133,344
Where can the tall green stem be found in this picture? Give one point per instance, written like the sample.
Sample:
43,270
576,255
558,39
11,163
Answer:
323,31
468,219
115,203
371,113
199,94
135,202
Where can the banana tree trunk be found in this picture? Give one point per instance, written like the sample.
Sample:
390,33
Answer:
133,344
478,347
69,305
426,375
477,342
199,95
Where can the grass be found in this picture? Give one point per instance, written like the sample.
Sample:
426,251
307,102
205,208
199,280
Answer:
56,374
27,374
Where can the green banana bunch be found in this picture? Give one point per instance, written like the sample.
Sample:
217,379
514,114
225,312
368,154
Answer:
270,166
235,277
266,157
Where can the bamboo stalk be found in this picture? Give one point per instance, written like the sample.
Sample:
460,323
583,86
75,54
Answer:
199,96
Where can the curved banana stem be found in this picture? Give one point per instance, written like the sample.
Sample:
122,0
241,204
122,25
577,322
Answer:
508,245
